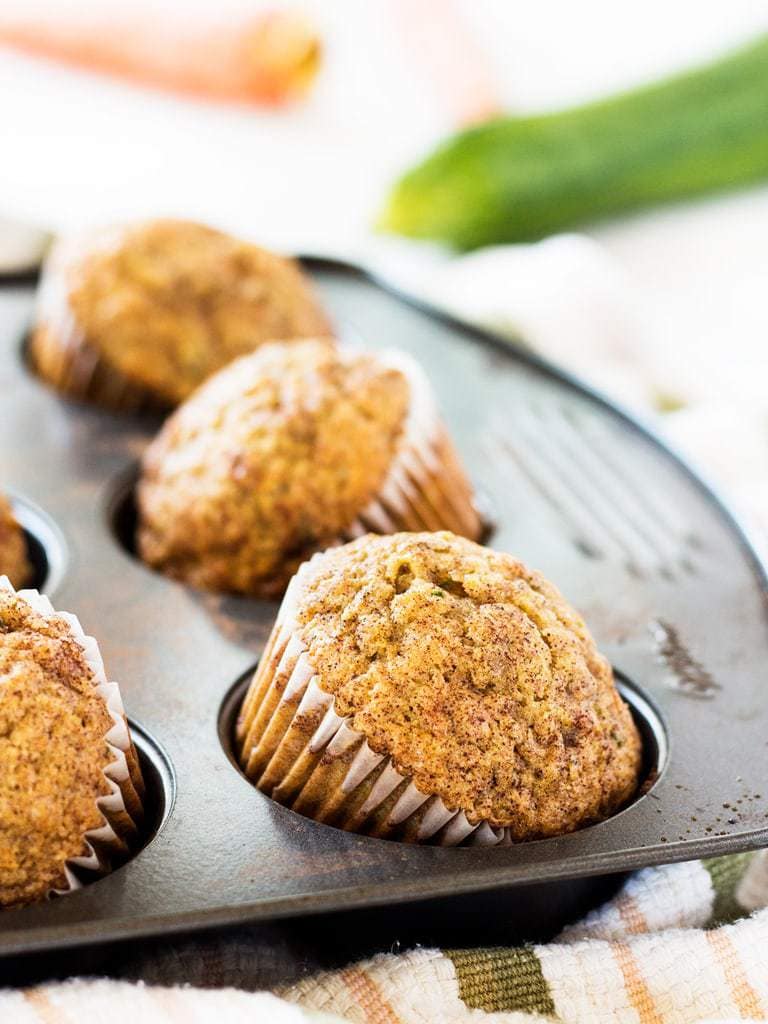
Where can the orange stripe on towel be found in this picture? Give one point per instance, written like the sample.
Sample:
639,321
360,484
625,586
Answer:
631,915
368,996
637,991
744,996
44,1009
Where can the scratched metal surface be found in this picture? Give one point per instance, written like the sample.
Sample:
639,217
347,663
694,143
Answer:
668,584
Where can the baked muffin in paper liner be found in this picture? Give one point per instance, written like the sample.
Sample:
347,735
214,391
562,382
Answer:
118,810
295,746
299,751
136,317
292,450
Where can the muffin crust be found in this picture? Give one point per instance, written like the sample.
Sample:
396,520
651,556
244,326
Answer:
52,751
13,548
167,303
269,461
475,676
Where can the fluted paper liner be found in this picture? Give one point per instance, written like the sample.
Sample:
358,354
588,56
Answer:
295,748
58,348
120,808
426,487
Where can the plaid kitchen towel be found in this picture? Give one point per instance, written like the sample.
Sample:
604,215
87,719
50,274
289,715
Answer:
680,943
673,946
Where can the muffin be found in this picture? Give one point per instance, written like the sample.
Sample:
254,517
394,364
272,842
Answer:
139,316
288,451
14,562
423,688
70,784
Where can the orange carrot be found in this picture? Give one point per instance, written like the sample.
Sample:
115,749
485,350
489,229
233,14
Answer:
267,61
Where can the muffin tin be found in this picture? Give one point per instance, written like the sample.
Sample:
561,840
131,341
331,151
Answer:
673,592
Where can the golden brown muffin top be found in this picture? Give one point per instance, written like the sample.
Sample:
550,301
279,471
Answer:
13,548
269,461
52,750
168,302
475,675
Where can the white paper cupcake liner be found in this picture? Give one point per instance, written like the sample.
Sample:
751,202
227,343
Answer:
426,487
120,808
297,749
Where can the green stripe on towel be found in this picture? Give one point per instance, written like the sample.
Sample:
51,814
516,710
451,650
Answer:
726,873
502,979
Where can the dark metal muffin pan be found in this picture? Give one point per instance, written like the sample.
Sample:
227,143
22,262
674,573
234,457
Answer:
671,588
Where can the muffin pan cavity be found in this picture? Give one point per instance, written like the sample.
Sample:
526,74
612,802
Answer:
122,514
653,734
227,719
46,546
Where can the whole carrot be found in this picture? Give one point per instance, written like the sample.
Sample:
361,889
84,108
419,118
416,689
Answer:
267,61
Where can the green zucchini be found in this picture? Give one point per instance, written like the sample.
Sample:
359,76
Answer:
519,178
